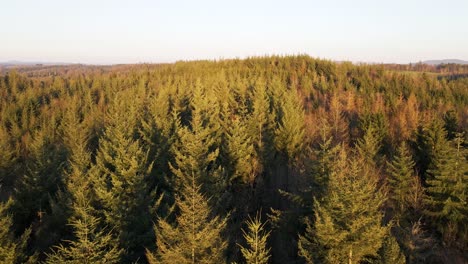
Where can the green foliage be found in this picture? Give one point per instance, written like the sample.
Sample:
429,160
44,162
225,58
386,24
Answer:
446,199
369,146
390,252
289,136
196,150
241,152
33,195
347,226
257,251
120,181
90,244
196,237
7,243
244,129
401,179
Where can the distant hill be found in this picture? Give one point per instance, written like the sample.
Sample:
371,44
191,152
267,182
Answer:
447,61
31,63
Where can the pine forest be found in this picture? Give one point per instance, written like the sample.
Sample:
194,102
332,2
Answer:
274,159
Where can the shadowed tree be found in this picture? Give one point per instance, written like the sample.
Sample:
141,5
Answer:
347,226
257,251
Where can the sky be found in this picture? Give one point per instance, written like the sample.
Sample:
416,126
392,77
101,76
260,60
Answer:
154,31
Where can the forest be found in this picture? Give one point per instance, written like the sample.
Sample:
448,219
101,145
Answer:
276,159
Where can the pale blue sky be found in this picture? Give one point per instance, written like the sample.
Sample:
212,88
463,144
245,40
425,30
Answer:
118,31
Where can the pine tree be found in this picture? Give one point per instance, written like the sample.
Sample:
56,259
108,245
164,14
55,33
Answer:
90,244
196,235
120,181
7,243
401,179
289,136
196,150
447,179
32,195
390,252
347,226
7,158
325,154
256,237
369,146
261,125
12,250
241,152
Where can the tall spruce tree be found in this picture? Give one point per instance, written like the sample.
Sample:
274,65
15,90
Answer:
196,235
195,152
347,224
12,249
401,179
390,252
120,180
90,242
33,203
446,194
289,136
369,146
257,251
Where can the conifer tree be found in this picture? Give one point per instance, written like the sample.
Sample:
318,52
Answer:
7,158
261,125
90,243
401,179
120,180
325,153
12,250
196,235
447,179
33,192
368,147
257,251
241,151
289,136
347,226
196,151
7,245
390,252
339,125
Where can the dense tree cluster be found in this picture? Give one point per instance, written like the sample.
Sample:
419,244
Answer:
263,160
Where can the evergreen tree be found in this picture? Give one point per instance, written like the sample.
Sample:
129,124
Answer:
325,154
369,146
33,202
120,181
400,179
289,136
261,125
347,226
196,151
90,244
256,237
447,179
12,250
390,252
7,158
241,152
196,235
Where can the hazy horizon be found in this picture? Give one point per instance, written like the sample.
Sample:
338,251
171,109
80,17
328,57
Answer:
114,32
